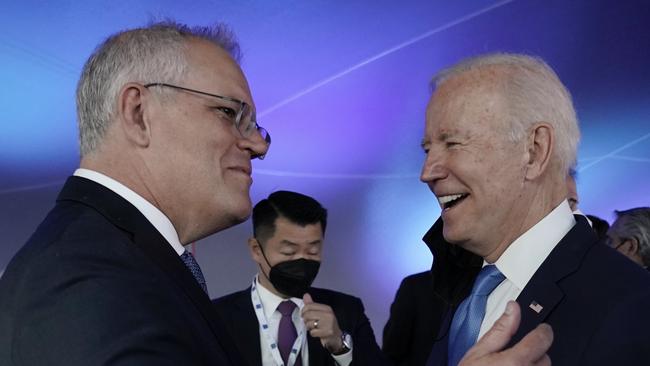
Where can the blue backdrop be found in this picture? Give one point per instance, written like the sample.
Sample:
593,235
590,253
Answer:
342,86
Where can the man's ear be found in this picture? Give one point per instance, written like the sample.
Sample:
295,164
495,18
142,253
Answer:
131,103
255,250
630,248
540,148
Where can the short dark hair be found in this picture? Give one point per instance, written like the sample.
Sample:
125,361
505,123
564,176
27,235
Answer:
295,207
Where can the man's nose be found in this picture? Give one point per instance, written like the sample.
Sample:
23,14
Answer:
433,168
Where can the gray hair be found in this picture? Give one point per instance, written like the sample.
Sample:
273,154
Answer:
155,53
635,224
534,94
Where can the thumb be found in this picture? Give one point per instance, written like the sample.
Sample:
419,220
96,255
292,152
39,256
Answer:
499,335
306,298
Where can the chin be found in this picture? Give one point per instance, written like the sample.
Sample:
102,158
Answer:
242,211
453,236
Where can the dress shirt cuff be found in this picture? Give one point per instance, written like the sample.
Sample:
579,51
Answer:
344,359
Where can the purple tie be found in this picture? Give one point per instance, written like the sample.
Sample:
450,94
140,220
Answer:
287,332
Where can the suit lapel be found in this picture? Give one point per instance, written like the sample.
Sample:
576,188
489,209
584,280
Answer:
144,235
245,328
542,293
318,355
316,352
157,249
453,267
438,354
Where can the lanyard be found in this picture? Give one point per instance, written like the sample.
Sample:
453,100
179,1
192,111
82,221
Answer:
270,339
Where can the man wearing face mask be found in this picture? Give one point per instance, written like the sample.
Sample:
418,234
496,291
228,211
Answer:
280,319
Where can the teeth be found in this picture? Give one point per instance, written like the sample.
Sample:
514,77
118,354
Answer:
446,199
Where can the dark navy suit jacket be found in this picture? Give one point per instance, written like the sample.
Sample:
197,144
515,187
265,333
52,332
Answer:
97,284
238,314
596,300
413,323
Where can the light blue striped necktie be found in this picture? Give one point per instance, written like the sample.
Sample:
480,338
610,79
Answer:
193,266
468,317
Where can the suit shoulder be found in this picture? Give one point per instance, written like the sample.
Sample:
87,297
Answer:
229,299
72,224
417,279
70,232
612,265
332,297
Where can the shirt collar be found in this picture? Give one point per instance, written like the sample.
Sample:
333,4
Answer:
270,301
149,211
524,256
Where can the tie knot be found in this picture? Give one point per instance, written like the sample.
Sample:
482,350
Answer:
488,278
286,308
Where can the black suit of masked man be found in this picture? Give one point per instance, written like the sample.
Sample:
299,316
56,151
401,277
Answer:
288,232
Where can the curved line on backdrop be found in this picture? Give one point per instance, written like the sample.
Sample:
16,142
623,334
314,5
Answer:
32,187
40,56
612,153
281,173
630,158
386,52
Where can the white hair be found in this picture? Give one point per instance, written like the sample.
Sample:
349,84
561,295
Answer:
155,53
635,223
534,94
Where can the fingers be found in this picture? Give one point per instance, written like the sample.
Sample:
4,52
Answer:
319,328
533,347
313,310
320,321
531,350
544,361
499,335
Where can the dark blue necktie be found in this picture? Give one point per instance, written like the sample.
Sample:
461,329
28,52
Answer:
468,317
193,266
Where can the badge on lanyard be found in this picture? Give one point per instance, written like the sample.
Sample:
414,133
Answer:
270,339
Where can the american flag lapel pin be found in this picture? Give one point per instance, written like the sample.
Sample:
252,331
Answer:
536,307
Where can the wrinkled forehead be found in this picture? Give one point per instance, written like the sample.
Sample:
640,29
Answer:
213,70
465,102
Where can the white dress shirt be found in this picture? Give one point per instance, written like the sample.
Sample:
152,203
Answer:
270,302
149,211
522,259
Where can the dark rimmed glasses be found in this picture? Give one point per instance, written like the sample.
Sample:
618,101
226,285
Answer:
238,112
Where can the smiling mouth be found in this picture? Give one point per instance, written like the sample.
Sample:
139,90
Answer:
449,201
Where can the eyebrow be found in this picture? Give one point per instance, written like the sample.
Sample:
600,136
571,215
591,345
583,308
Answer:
444,136
441,137
290,243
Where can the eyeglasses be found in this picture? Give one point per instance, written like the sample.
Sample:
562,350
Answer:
238,112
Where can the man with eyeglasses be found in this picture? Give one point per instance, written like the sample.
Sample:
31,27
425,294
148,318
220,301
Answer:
167,132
